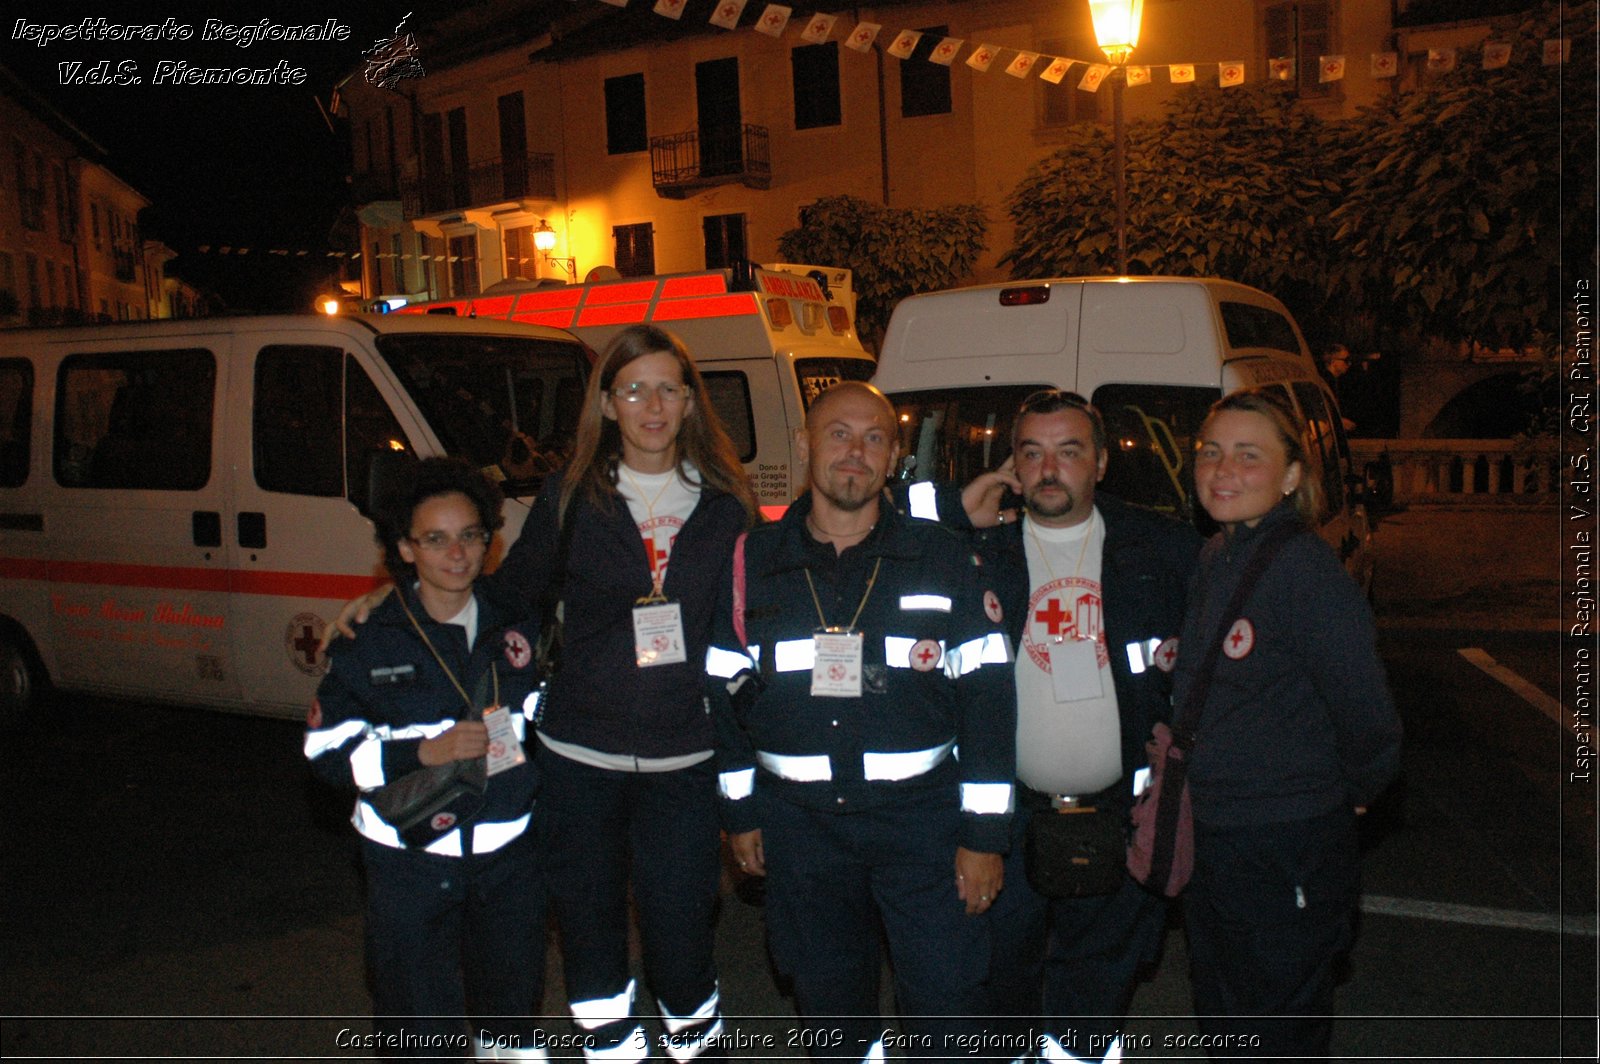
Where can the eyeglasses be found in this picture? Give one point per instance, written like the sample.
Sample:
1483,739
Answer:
638,392
469,537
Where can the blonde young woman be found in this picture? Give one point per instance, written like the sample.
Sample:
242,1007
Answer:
653,500
1296,735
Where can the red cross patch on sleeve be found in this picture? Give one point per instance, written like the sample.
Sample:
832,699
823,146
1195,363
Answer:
1241,639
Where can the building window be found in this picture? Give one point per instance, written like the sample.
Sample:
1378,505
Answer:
625,121
635,249
1066,104
725,243
816,85
925,85
94,223
464,265
522,257
1302,31
513,146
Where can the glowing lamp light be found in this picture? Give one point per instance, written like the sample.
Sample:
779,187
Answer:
328,304
544,237
1116,27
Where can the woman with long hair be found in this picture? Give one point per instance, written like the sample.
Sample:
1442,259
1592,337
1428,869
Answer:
634,533
1296,734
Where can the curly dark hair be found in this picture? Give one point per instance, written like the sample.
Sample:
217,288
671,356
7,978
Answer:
421,481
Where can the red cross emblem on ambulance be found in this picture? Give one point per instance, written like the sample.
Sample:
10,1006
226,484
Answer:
1241,639
925,654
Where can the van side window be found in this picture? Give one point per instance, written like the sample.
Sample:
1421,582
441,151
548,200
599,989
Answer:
730,398
16,421
136,420
1150,433
297,419
1248,325
1321,443
370,427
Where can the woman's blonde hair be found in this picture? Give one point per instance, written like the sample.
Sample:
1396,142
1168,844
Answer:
702,441
1291,433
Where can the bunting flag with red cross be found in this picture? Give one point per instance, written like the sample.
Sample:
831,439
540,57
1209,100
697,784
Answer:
904,44
1557,50
774,20
1330,68
819,29
669,8
1385,64
1137,75
1055,71
1022,65
1441,60
1496,54
863,35
982,56
1180,73
1280,69
727,14
1230,73
1090,82
944,53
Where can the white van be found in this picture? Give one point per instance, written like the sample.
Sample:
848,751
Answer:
767,341
1153,353
181,501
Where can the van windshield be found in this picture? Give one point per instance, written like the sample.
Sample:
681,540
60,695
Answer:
817,375
952,435
505,403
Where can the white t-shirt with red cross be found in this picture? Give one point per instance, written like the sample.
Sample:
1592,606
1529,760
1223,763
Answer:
1069,747
660,504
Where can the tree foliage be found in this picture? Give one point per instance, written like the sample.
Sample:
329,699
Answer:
1460,199
892,252
1230,184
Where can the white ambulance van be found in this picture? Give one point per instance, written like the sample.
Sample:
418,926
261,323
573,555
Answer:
181,501
767,342
1152,353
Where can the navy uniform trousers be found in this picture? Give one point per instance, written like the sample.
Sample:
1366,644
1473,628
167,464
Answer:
832,877
449,937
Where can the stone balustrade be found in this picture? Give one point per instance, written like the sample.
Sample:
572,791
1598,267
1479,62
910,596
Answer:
1463,472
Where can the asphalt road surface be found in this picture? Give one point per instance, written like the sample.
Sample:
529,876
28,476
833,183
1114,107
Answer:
175,886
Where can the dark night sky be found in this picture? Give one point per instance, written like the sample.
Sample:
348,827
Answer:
239,165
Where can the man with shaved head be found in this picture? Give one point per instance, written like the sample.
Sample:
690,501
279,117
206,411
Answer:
855,651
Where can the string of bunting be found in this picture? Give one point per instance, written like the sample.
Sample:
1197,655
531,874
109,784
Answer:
302,253
819,28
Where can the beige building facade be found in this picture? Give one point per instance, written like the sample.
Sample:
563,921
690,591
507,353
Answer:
666,152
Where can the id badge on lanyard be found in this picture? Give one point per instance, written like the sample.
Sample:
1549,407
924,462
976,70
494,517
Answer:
1075,670
658,634
505,749
836,672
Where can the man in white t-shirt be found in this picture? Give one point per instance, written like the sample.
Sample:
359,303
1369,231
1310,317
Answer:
1093,590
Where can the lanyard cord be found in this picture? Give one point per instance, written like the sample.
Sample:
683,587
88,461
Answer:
656,578
493,672
872,580
1044,555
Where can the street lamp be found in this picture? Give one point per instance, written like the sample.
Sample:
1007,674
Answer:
1116,30
544,240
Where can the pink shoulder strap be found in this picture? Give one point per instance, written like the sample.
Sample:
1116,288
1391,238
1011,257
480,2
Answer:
738,589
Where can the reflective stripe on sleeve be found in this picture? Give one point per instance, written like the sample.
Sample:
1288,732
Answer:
706,1010
322,740
487,838
941,603
905,765
794,655
986,797
737,784
725,664
366,764
800,768
923,501
1141,655
991,649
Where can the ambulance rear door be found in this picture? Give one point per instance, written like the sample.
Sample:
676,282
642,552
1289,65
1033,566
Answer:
310,413
138,564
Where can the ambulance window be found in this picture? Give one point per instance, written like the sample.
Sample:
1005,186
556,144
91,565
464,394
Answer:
730,397
1251,326
16,421
140,420
296,421
953,435
817,375
1150,431
1320,445
370,428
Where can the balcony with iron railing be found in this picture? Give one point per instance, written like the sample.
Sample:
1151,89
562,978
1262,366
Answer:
680,163
494,181
366,186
